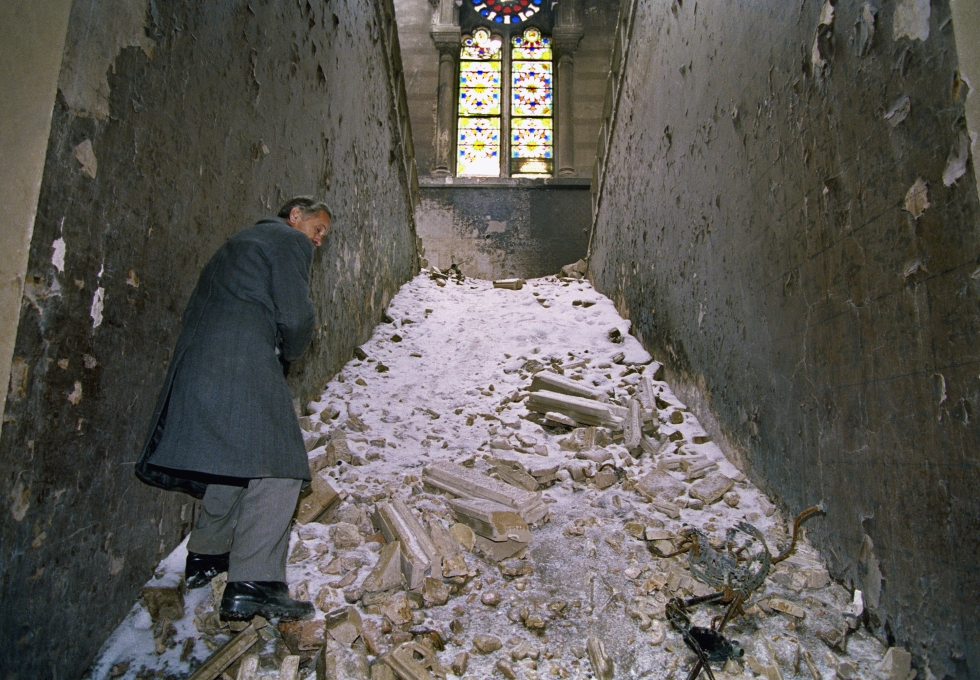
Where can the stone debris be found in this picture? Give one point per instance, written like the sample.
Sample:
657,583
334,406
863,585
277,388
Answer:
602,665
397,523
335,660
711,489
230,651
414,540
510,284
414,661
316,500
164,601
546,381
462,482
579,409
487,644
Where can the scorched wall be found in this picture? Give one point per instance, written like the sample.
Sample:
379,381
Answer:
176,124
758,223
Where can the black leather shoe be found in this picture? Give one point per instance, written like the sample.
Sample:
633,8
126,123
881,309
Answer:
244,599
201,568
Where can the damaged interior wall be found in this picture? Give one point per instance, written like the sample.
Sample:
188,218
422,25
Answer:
788,213
176,124
450,229
32,39
524,229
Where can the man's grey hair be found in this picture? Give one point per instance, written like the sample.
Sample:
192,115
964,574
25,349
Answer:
307,204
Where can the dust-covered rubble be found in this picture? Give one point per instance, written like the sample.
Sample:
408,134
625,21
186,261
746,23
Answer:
517,494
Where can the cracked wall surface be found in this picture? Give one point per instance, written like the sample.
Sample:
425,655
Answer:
790,219
503,232
176,125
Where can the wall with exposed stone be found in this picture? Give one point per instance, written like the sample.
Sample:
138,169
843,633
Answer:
176,124
788,214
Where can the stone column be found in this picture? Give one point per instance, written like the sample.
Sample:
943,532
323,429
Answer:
565,39
446,36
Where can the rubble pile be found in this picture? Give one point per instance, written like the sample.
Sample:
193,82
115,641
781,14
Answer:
504,486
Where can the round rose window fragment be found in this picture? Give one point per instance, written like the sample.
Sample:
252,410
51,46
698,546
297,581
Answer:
507,11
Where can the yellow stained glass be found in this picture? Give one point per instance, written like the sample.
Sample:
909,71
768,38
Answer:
478,147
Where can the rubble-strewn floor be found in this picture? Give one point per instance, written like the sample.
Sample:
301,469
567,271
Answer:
446,380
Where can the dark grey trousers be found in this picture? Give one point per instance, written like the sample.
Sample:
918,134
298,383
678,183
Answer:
252,523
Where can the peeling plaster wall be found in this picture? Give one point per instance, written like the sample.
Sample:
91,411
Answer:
176,125
497,232
757,226
32,40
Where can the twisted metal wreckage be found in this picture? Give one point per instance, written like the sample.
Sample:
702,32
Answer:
737,570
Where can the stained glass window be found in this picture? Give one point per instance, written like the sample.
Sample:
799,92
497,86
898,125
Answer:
521,128
507,11
531,138
478,129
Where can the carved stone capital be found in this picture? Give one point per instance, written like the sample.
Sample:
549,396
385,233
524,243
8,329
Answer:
446,38
565,39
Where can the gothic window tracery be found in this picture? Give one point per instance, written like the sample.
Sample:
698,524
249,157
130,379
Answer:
517,121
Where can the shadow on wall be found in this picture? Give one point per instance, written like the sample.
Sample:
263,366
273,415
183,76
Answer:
495,232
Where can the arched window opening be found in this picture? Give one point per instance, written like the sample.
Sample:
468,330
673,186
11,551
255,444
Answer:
531,133
478,139
505,108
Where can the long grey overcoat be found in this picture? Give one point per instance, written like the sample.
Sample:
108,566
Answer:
225,408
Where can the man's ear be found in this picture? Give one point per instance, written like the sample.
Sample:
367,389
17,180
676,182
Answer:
294,215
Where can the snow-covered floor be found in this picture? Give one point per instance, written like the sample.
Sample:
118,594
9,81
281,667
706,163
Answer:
459,358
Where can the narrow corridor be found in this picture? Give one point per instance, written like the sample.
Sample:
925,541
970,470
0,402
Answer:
446,380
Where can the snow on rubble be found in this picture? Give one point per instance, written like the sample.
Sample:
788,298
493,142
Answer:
501,477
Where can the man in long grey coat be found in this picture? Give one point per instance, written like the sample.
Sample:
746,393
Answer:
224,427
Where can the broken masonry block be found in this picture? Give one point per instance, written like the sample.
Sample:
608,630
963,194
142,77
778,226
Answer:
495,551
666,508
712,488
164,599
655,370
248,668
343,624
460,481
435,593
552,382
560,418
302,636
602,665
314,441
491,520
649,445
896,664
289,669
414,661
463,534
619,357
660,485
633,427
648,394
699,470
509,284
397,523
513,473
605,478
316,500
787,607
387,573
334,660
382,671
580,409
228,653
448,550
